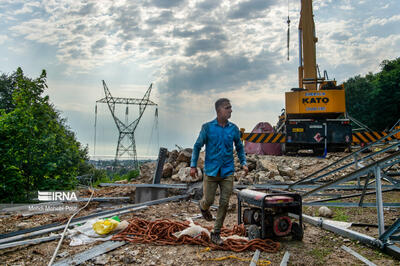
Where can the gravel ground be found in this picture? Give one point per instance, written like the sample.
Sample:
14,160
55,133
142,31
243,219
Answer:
319,247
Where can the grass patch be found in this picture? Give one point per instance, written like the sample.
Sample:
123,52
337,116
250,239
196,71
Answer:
102,180
339,214
320,254
111,178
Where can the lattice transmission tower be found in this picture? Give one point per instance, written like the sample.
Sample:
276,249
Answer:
126,130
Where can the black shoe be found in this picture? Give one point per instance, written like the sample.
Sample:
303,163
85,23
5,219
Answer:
216,239
206,214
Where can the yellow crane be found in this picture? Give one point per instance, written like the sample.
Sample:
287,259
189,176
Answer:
315,112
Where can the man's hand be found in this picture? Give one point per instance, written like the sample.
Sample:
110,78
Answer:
245,169
193,172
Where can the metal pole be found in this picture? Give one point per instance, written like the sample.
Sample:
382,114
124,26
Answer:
392,250
30,241
387,161
178,186
56,228
254,260
285,259
33,232
91,253
358,256
160,165
379,202
364,189
307,178
326,139
365,239
356,166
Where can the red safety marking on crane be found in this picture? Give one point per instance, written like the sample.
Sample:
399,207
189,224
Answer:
318,137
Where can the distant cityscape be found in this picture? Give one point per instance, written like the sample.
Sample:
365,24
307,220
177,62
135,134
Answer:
108,164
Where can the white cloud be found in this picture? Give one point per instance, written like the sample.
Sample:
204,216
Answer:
27,8
383,21
3,38
129,32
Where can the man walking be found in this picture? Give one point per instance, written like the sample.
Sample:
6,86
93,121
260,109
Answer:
218,136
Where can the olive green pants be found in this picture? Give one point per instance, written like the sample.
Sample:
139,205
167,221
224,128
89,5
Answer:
210,184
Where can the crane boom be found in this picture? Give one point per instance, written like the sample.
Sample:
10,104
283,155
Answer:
307,40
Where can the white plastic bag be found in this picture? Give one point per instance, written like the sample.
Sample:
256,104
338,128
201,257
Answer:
85,234
193,230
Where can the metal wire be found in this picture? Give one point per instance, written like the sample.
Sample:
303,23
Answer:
66,227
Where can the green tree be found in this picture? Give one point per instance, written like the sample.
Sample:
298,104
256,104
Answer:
386,96
358,97
375,99
6,91
39,152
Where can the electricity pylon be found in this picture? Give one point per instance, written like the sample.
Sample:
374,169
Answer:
126,130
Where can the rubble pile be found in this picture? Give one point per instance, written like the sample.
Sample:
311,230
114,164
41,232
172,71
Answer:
176,167
262,168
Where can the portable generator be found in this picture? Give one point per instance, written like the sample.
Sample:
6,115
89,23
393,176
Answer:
267,215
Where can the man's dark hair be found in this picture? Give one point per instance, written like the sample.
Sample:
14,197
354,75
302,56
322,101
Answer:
220,102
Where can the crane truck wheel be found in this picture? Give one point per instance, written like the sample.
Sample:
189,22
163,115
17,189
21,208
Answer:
283,148
318,151
288,149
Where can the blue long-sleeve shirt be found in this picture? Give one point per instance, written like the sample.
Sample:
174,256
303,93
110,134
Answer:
219,148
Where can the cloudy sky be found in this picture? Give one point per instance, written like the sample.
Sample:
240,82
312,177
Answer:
194,52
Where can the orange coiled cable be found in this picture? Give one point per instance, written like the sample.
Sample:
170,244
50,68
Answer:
161,232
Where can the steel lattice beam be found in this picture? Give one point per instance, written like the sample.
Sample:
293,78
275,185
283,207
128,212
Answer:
118,100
